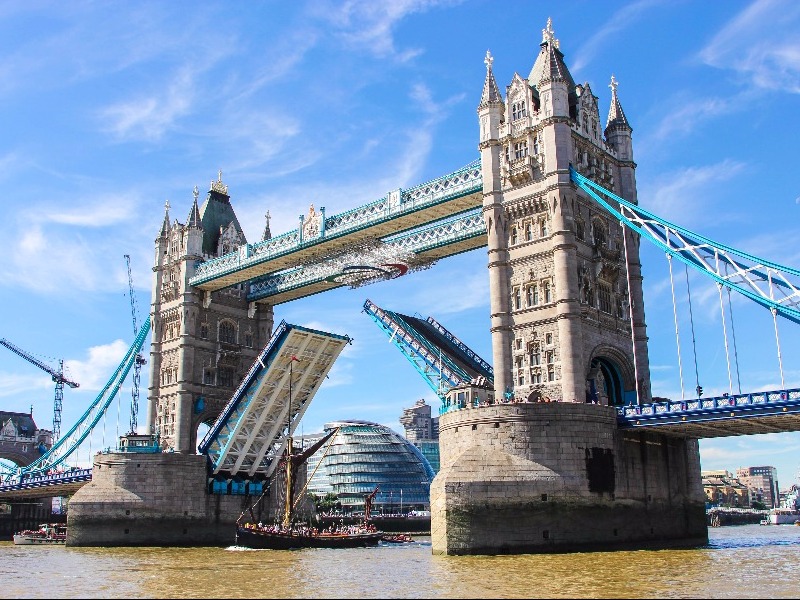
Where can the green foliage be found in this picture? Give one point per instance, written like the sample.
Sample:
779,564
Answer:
758,505
326,503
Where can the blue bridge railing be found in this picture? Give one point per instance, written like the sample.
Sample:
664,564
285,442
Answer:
734,405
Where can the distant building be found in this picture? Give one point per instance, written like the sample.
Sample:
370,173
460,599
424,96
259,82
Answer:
422,430
723,489
21,441
363,456
763,484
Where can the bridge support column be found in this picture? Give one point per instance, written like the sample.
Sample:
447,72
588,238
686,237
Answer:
556,477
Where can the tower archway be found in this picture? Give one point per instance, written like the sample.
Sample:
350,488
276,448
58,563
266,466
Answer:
609,379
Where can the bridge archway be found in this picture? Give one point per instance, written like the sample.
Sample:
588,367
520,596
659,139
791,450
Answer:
610,379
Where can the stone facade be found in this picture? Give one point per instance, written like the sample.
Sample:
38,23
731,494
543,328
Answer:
555,477
202,342
543,466
565,284
152,500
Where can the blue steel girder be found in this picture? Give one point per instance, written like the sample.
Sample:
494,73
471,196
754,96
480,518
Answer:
416,249
398,211
61,483
480,364
769,284
71,440
438,371
253,428
740,414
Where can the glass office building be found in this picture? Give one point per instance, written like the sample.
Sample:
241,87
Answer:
363,456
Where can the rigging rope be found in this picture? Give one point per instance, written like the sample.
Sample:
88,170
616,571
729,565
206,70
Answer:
694,342
775,322
630,306
677,334
733,331
725,336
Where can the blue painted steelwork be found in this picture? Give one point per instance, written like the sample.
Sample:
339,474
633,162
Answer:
442,364
262,413
449,233
480,364
720,408
757,279
418,199
70,442
35,481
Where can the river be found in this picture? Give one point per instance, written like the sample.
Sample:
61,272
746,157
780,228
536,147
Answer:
747,561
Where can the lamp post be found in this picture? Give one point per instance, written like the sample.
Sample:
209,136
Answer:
401,501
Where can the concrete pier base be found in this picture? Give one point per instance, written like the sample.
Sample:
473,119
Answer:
152,500
560,477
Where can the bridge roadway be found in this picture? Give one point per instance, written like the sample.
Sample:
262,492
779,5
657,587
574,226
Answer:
320,237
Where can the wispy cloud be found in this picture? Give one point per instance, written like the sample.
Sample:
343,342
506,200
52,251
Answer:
619,21
761,45
683,195
93,371
370,25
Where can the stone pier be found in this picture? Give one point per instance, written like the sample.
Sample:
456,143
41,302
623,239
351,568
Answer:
558,477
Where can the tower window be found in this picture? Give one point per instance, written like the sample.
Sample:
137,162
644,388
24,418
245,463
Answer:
528,232
551,375
535,357
517,299
604,296
529,295
226,377
580,229
548,338
204,330
543,228
547,294
520,150
518,110
513,235
227,332
536,146
208,376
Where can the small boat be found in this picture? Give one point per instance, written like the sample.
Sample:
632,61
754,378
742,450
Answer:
396,538
48,534
289,535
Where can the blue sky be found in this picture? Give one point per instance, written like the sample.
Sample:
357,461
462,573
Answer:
107,110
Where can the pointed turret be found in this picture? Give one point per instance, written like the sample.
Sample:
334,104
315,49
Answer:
491,93
490,110
550,74
616,116
267,233
166,224
618,130
194,215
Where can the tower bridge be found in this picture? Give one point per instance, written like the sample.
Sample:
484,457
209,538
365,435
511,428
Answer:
565,447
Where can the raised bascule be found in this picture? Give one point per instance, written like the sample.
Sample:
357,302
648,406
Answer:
556,445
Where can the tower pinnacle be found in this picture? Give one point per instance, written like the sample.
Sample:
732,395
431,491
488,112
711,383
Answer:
616,116
165,224
491,93
548,35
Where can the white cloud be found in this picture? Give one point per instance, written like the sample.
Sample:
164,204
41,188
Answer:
150,117
619,21
761,45
93,372
370,25
683,196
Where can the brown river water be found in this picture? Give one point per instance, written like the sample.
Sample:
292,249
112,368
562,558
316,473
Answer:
747,561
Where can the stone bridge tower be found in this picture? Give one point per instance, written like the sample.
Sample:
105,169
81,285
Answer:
561,308
202,342
545,468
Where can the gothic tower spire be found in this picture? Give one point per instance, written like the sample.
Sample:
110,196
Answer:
491,93
616,116
267,233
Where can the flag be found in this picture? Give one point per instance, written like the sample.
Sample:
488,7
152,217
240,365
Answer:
295,358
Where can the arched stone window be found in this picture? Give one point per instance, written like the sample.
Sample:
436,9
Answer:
580,229
517,299
547,292
227,332
513,236
598,233
529,294
528,231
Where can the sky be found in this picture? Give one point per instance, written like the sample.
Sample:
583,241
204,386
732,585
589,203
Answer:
108,110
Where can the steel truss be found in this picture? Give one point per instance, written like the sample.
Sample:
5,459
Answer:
771,285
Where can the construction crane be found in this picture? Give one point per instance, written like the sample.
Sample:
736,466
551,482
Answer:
58,377
140,360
